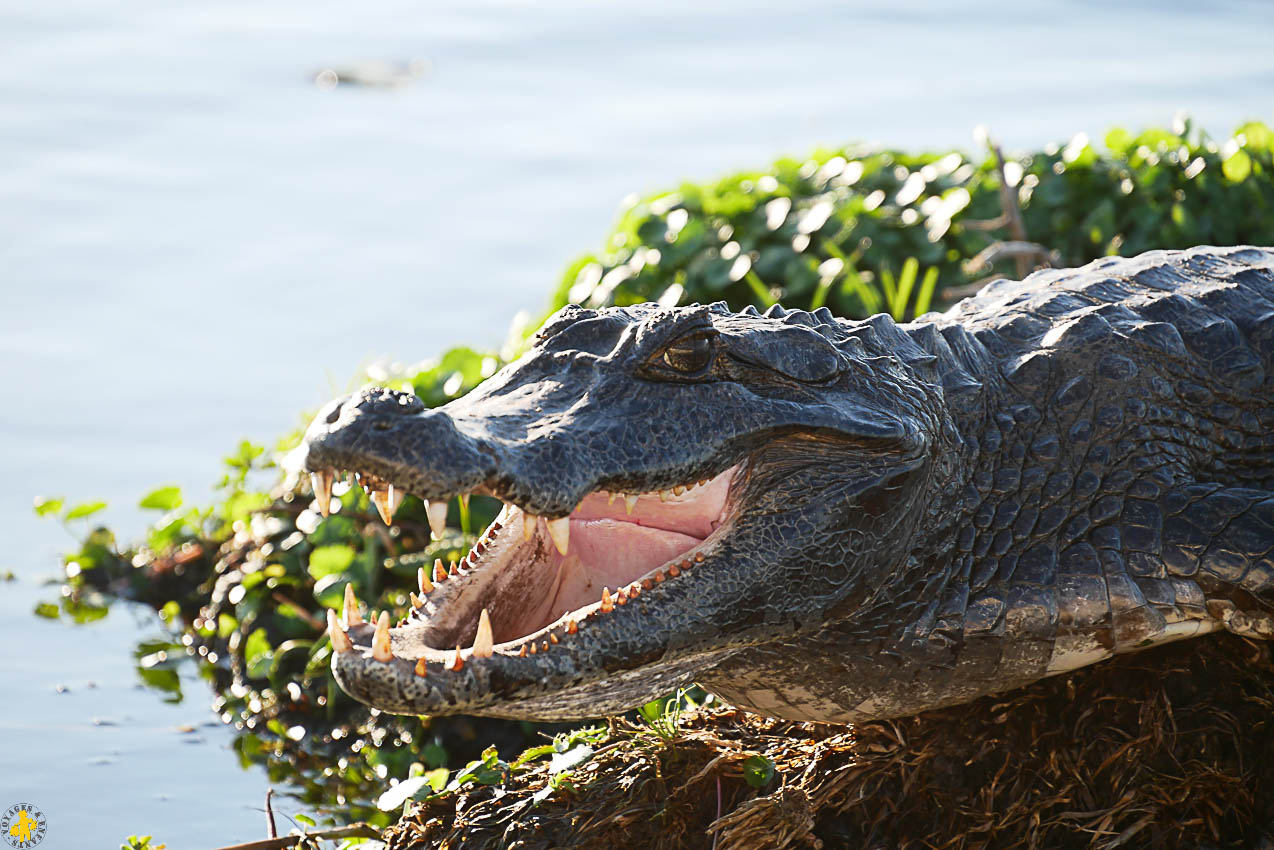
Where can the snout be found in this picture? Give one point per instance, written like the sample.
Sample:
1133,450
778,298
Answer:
392,436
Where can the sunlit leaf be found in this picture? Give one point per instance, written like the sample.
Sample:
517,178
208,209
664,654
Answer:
162,499
46,505
1237,167
330,560
84,509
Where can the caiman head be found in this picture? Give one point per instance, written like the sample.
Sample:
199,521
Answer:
680,484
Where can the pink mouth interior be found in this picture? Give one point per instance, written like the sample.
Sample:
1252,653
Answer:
609,548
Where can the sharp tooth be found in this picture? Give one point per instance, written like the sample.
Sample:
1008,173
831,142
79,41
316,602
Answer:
395,499
380,640
533,649
340,640
553,637
659,576
678,490
437,512
321,481
522,651
635,590
454,571
700,557
610,499
440,572
674,571
571,627
380,498
483,641
630,502
457,663
647,583
416,601
560,531
352,617
528,525
608,605
621,598
663,495
422,579
545,646
421,668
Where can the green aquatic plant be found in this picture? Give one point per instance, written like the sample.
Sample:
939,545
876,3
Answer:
830,229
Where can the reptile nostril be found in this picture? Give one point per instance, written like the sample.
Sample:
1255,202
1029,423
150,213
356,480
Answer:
334,414
381,426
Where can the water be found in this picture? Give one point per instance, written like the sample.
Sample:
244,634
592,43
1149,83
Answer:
197,244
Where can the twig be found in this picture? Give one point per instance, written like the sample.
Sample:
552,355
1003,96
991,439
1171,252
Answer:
1012,212
296,606
956,293
999,250
271,830
984,223
353,830
717,836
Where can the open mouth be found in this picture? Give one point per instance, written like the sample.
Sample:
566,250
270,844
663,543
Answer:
530,582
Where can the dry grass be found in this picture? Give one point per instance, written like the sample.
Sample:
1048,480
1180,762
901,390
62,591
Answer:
1167,748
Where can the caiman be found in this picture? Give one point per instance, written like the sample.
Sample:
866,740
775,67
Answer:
833,520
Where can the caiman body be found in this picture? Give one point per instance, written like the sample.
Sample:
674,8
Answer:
881,518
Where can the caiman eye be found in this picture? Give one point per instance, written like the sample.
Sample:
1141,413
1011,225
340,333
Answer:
689,355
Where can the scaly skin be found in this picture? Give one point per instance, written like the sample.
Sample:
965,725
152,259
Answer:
1057,470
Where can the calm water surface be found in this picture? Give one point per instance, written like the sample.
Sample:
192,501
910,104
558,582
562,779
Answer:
197,243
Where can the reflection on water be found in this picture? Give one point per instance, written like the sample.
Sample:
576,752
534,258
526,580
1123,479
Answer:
200,242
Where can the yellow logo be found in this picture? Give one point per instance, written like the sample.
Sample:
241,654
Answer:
23,826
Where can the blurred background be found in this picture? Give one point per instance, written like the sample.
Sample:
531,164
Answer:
214,217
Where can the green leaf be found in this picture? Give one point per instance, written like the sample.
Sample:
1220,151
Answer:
573,757
925,297
404,791
162,499
84,509
1259,136
330,560
758,286
239,507
906,280
758,771
1237,168
1118,140
258,653
45,505
437,778
170,612
47,610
